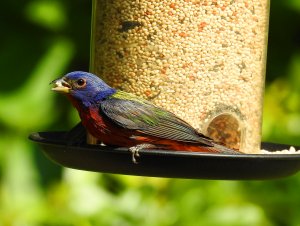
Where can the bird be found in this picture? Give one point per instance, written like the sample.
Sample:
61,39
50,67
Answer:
122,119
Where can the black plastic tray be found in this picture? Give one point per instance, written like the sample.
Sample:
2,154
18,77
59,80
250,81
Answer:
173,164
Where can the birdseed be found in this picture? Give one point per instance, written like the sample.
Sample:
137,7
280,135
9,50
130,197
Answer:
291,150
204,60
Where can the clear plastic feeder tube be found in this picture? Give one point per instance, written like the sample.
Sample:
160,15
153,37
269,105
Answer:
204,60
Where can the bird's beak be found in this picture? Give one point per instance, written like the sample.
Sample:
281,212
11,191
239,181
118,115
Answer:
61,86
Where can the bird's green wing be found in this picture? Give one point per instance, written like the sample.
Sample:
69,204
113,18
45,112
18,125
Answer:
131,112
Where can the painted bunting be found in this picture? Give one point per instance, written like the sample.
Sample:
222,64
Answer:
122,119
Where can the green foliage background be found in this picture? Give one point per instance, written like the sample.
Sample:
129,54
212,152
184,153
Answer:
43,39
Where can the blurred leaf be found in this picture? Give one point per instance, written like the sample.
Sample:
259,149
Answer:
49,14
19,186
30,106
293,4
293,125
282,107
294,72
240,215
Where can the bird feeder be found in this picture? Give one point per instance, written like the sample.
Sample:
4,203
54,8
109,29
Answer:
203,60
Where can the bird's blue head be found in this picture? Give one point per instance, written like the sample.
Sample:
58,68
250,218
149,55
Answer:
84,87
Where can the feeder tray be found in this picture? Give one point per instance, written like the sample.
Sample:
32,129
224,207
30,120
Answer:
58,147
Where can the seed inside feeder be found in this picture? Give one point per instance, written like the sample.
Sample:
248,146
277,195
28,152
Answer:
189,57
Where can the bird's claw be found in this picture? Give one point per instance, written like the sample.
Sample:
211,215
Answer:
135,150
135,153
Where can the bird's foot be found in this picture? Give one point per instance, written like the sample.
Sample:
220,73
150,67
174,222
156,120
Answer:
135,150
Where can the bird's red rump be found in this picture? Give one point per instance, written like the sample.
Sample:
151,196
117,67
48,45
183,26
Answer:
172,144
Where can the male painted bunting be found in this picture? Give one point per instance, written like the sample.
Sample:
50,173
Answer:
122,119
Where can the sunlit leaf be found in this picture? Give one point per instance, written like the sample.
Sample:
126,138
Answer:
46,13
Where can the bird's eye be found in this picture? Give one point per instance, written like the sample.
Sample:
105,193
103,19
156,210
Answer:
81,82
